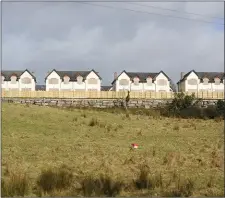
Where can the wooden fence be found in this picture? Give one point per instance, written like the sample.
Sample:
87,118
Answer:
104,94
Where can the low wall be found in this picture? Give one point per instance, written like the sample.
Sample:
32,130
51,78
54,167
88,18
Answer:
102,103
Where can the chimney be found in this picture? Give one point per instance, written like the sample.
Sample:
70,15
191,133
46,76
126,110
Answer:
182,75
115,75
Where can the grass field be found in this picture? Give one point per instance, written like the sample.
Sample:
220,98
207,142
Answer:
92,142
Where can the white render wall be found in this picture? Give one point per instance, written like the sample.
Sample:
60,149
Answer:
19,85
166,87
93,86
73,85
142,86
200,86
26,86
122,87
53,86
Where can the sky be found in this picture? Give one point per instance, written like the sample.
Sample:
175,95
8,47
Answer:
41,36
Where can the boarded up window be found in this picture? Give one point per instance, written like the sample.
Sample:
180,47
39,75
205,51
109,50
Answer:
205,81
192,81
66,79
161,82
14,89
80,90
149,81
79,80
26,80
92,90
65,89
192,90
124,82
53,89
13,79
136,81
53,81
217,81
92,81
26,89
219,90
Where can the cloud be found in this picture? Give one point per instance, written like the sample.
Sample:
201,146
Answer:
72,36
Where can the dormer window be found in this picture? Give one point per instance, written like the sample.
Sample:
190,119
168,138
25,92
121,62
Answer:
217,81
66,79
136,81
149,81
205,81
13,79
79,80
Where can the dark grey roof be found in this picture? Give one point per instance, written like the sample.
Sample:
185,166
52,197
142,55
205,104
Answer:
105,88
40,87
73,74
8,73
210,75
142,75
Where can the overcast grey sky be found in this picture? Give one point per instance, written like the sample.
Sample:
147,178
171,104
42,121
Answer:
73,36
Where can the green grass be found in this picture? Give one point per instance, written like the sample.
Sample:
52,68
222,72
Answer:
94,142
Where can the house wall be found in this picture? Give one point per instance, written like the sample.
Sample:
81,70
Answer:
93,86
138,87
200,86
142,86
30,86
73,85
218,87
53,86
146,87
66,87
123,87
4,84
158,87
188,87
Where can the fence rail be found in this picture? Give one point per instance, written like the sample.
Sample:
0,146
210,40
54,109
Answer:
104,94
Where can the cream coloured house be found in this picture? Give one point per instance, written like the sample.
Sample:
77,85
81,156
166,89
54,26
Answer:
18,80
73,81
201,81
142,81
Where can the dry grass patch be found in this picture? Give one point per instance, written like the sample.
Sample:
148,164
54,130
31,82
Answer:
16,183
46,137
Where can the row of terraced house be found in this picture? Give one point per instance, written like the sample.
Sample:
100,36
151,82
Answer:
133,81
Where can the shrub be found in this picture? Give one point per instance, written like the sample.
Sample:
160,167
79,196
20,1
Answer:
54,179
181,101
191,112
15,185
176,127
93,122
210,112
101,186
220,106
